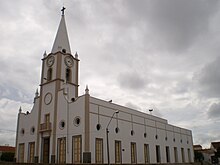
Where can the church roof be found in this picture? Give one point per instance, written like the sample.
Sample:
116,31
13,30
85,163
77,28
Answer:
61,41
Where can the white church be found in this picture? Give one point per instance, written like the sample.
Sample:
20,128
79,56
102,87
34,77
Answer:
63,127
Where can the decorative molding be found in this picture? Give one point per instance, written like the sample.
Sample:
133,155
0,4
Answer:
48,98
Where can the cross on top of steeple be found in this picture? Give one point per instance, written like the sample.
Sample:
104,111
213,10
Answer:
63,9
61,42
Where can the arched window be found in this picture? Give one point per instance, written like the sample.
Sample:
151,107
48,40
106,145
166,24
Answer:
49,74
68,75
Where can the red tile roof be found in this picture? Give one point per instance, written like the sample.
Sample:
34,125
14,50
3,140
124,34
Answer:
7,149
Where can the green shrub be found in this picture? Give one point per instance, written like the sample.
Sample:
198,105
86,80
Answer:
7,156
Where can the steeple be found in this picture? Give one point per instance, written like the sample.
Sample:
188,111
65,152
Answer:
61,42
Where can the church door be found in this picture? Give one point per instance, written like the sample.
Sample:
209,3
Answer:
61,150
46,150
77,149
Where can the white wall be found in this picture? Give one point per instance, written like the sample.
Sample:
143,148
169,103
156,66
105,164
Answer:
129,119
26,122
76,109
126,120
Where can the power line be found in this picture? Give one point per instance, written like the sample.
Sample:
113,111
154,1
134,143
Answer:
6,130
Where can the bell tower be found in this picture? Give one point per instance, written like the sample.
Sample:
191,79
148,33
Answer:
60,65
59,77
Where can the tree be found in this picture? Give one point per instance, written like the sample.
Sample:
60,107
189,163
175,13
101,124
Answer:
198,156
216,157
7,156
217,154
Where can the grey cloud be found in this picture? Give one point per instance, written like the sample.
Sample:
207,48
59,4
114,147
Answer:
10,92
175,24
203,138
114,37
206,135
208,79
133,106
8,111
181,87
7,137
214,110
132,81
16,86
8,11
156,112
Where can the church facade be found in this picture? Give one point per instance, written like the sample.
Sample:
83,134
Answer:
63,127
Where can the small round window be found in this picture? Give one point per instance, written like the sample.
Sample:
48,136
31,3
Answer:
156,136
22,131
98,127
132,132
62,124
116,130
77,121
181,141
174,139
145,135
32,130
166,138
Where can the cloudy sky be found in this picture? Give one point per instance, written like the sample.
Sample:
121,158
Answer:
142,54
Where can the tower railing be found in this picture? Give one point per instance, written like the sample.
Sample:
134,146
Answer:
45,127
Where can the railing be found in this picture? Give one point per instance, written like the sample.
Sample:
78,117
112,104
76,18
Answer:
45,127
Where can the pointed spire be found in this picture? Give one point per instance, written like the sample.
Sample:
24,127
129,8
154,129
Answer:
36,93
61,42
87,89
20,110
45,54
76,55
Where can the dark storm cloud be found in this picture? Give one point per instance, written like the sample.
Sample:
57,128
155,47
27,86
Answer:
132,81
208,79
175,24
214,110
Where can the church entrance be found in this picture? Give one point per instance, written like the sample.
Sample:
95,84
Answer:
46,149
62,150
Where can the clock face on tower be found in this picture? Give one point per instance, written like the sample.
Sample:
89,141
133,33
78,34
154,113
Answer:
48,98
50,61
68,61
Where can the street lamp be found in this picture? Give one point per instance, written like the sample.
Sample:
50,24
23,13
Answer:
66,97
107,132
